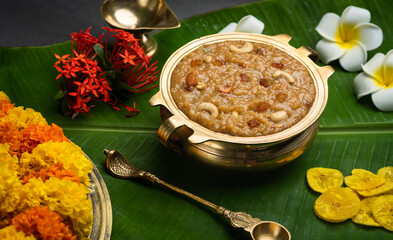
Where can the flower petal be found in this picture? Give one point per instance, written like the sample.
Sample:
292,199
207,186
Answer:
355,15
328,26
388,68
370,35
229,28
329,51
383,99
353,59
373,64
364,85
250,24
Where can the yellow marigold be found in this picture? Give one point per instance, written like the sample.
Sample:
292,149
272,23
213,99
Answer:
22,117
10,233
43,224
3,96
67,198
66,153
10,185
9,134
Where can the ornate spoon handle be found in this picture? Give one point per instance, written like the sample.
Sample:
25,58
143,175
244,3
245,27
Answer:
237,219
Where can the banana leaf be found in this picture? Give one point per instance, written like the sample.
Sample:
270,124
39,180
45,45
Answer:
353,134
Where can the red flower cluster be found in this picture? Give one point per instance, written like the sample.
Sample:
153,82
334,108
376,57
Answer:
100,71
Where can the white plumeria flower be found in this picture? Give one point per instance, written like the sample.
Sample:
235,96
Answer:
348,38
377,80
249,24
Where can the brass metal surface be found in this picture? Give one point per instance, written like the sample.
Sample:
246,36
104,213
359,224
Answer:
139,17
264,152
120,167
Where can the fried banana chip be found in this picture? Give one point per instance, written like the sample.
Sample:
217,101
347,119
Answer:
382,210
321,179
365,216
337,204
363,180
384,188
387,173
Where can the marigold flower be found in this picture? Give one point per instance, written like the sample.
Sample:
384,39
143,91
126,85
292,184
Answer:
10,135
22,117
10,233
43,224
67,198
54,170
67,153
35,134
10,185
5,104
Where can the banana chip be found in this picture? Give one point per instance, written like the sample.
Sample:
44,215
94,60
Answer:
384,188
363,180
387,173
321,179
337,204
365,216
382,210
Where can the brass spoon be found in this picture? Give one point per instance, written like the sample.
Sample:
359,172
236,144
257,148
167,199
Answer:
120,167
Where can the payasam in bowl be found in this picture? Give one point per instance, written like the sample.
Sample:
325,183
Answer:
241,100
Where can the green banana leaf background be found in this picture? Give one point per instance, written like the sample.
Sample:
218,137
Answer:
353,134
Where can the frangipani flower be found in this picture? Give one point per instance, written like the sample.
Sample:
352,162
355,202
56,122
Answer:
348,38
249,24
377,80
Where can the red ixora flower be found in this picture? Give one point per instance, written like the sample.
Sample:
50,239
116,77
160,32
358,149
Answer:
101,71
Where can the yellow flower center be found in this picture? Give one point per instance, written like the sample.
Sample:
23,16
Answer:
384,77
347,36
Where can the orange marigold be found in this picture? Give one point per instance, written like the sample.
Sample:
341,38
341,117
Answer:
35,134
43,224
5,106
9,134
54,170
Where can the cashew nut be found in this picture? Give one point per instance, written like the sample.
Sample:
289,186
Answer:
209,107
279,116
288,76
207,58
245,49
200,86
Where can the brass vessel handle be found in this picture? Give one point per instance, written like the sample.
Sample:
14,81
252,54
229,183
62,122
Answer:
166,132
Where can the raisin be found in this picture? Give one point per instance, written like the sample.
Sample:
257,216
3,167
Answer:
263,107
191,80
253,123
260,51
243,77
226,89
217,62
195,62
277,65
264,82
281,97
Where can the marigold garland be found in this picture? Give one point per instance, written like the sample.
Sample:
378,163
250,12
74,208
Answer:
43,223
21,117
10,233
40,167
54,170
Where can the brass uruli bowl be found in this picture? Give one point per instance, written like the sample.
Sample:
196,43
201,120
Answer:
181,134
